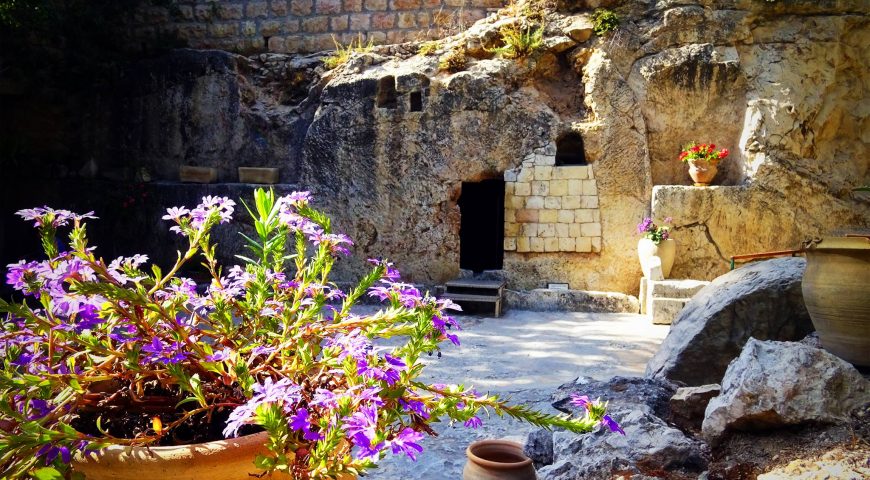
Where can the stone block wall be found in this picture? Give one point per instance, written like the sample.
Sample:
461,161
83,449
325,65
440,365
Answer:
551,208
291,26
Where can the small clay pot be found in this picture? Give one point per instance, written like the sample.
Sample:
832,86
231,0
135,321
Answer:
497,460
703,172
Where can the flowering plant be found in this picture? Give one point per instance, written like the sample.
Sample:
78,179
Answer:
99,353
702,151
654,232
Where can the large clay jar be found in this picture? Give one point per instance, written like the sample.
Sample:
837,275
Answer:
703,172
666,251
231,459
497,460
836,289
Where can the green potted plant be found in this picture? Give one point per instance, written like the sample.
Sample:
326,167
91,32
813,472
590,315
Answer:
703,160
123,369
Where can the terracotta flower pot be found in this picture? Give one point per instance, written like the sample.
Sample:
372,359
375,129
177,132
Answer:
703,172
666,250
231,459
497,460
836,289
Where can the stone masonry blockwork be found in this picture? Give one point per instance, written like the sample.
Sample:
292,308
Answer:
280,26
550,208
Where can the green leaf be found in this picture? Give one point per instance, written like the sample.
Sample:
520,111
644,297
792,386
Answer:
47,473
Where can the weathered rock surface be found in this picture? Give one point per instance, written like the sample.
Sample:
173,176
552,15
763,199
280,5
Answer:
628,392
773,384
539,447
761,300
689,404
649,444
388,140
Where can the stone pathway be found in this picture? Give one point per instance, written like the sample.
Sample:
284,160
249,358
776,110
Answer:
523,356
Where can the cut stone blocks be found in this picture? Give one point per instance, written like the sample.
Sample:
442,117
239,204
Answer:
662,300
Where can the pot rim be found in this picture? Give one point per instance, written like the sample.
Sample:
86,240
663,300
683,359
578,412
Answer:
497,465
175,452
841,243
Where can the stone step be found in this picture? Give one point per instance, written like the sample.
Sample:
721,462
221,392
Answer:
477,284
664,310
667,289
676,288
549,300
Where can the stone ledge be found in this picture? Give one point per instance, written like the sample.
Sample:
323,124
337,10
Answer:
547,300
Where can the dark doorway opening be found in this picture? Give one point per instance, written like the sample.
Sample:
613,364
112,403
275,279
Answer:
481,231
570,150
386,97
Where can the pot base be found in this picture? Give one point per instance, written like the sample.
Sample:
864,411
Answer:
702,184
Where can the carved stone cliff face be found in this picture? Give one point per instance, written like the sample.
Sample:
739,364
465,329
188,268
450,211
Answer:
782,85
387,140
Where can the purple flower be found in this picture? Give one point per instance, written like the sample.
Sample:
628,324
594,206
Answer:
363,422
47,215
175,213
283,392
612,425
158,352
367,450
390,273
406,441
581,401
27,277
124,333
473,422
51,452
354,345
414,406
645,225
219,356
390,373
300,421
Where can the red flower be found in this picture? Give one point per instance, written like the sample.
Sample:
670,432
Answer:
696,148
723,153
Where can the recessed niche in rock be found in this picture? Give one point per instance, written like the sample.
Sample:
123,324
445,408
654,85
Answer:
386,96
416,101
481,231
570,151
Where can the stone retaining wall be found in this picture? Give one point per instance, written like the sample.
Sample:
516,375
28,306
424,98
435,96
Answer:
290,26
550,208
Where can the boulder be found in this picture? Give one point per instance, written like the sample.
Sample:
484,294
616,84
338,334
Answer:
539,447
689,404
774,384
649,446
761,300
629,392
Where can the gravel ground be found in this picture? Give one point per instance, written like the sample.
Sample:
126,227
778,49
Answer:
523,356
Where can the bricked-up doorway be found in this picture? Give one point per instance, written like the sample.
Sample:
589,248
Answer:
481,231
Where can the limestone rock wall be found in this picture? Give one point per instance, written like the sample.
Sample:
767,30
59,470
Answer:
387,140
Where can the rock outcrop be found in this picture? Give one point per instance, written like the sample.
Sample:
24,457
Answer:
761,300
774,384
388,140
649,444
